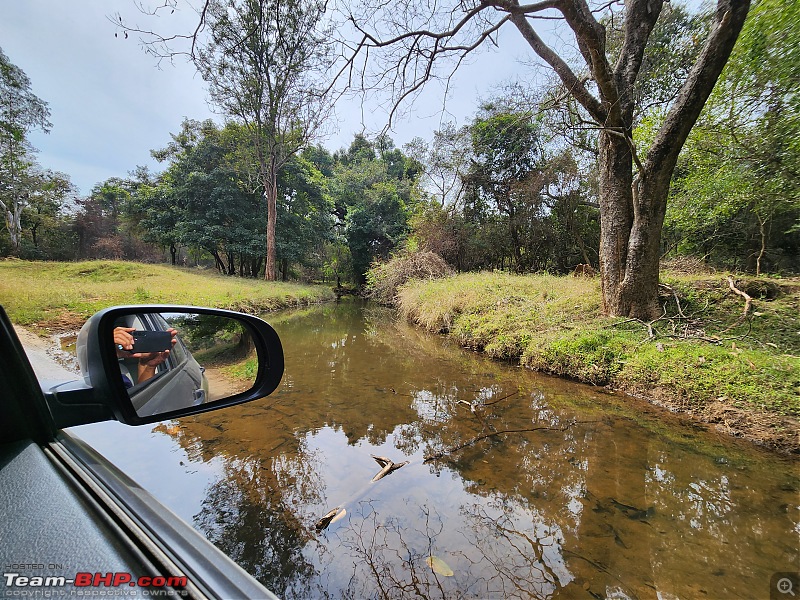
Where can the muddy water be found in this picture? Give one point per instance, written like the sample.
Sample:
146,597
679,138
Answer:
539,488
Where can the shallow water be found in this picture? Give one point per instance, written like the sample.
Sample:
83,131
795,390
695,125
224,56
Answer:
541,489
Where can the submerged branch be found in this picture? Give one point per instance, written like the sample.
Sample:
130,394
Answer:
483,436
506,397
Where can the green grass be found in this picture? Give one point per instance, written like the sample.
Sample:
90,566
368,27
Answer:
245,370
553,324
53,295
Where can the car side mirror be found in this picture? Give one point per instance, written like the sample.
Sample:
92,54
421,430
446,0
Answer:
151,363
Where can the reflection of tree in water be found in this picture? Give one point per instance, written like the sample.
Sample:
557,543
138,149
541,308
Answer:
506,552
389,556
584,510
521,548
255,514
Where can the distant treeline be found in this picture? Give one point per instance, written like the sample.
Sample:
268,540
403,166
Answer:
515,189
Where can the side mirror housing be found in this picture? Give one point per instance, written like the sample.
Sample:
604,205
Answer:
143,364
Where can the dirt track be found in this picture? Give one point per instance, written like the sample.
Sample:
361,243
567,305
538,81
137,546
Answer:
42,356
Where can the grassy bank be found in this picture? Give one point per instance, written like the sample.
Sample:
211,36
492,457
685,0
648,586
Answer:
53,296
702,358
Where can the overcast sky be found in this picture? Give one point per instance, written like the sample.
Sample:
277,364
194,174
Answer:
111,104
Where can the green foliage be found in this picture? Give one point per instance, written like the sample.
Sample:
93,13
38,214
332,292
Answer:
305,212
376,225
505,147
203,201
736,192
373,189
519,204
20,109
673,48
246,370
46,225
21,112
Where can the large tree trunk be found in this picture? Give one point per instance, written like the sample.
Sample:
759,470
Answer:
640,286
14,225
632,215
616,218
271,192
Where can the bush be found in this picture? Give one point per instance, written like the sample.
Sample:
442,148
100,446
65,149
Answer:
385,278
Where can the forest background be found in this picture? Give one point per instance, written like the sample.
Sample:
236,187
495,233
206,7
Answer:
516,189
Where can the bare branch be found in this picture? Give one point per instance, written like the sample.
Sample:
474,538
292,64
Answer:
475,440
640,18
574,85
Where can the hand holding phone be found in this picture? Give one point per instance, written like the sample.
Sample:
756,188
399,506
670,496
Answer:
145,342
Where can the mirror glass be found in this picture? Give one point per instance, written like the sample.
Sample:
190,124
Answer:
171,361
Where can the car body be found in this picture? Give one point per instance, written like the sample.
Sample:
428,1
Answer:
179,376
72,522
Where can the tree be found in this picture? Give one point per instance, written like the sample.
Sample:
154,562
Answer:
263,61
260,62
306,211
520,201
373,190
405,41
201,202
506,172
445,162
21,111
42,216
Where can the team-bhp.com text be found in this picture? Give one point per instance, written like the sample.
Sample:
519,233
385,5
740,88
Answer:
94,580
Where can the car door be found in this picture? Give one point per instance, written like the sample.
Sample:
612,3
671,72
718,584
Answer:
71,521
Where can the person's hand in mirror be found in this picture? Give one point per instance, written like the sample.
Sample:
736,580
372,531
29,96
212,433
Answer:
148,361
123,340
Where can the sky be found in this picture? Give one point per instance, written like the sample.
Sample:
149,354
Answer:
111,103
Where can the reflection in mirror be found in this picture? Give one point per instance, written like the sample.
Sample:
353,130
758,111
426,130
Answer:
170,361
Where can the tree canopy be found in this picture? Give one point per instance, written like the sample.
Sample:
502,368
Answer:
21,111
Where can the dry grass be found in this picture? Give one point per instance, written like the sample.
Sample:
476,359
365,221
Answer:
384,279
499,313
63,295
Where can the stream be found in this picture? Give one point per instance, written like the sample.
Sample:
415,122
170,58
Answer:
501,483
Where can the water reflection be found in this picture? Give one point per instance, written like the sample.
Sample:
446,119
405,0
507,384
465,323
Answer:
542,488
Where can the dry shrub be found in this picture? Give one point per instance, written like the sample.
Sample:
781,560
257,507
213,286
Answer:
385,278
687,265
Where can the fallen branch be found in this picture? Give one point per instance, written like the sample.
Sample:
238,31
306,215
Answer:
747,302
674,295
747,299
475,440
